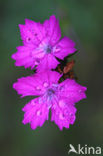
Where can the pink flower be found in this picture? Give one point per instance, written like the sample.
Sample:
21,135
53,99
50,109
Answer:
59,97
42,44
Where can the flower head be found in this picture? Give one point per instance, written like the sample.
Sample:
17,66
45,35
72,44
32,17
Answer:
59,97
42,44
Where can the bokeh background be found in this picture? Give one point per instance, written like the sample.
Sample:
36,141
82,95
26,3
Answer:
82,21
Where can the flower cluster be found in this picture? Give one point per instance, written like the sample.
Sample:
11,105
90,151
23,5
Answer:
41,48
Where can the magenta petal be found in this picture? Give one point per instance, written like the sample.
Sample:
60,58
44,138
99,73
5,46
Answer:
35,113
72,91
28,86
52,29
24,57
53,77
48,62
64,47
36,84
31,32
63,114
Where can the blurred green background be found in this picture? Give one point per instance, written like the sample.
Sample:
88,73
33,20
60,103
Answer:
82,21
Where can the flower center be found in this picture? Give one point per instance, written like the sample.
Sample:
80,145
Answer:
48,49
49,95
50,92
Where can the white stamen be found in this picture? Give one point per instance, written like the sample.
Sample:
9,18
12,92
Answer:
61,103
38,113
45,84
38,88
